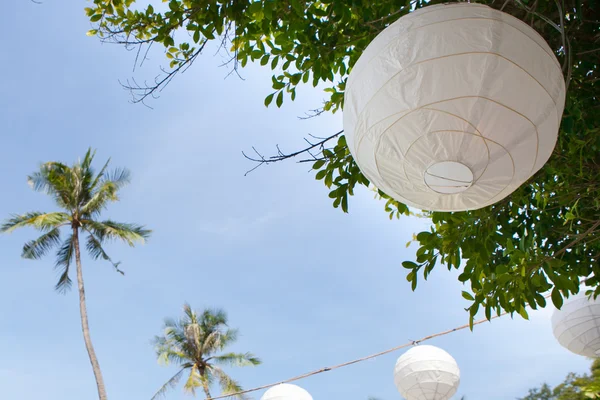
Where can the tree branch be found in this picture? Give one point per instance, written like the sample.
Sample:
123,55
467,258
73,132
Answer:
139,93
281,156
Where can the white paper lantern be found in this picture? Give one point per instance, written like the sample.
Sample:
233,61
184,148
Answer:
426,373
285,391
576,326
453,107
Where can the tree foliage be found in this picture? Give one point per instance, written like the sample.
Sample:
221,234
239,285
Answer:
544,237
82,195
196,343
574,387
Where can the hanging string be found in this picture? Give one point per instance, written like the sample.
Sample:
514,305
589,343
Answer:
327,369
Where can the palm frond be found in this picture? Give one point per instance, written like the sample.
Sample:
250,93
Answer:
194,380
227,383
170,323
94,248
99,176
111,230
38,220
168,351
64,255
106,193
36,249
45,179
171,356
230,336
119,177
190,316
57,180
214,317
86,173
171,383
217,340
86,164
193,335
237,359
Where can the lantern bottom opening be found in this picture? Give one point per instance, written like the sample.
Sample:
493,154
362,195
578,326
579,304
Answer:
448,177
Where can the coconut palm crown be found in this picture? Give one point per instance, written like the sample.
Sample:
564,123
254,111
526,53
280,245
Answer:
196,343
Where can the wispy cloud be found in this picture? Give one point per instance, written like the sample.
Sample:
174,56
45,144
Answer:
239,227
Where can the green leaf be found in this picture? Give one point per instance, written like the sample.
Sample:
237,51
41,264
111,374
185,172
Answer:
321,174
318,164
279,100
96,17
523,313
557,298
540,300
297,6
345,202
467,296
465,276
423,236
409,265
501,269
269,99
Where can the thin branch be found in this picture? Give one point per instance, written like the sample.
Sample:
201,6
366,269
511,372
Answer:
312,113
579,238
587,52
281,156
139,93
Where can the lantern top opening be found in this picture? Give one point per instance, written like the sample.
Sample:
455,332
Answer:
448,177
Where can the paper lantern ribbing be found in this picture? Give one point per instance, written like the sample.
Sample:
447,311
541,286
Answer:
426,373
285,391
453,107
576,326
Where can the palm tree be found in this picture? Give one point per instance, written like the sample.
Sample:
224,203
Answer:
195,343
82,195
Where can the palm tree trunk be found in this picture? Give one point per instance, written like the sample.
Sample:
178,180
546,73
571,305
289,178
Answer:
84,320
205,387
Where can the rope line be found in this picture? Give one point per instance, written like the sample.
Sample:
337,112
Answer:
327,369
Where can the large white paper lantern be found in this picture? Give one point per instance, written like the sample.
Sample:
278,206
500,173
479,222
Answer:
576,326
453,107
426,373
285,391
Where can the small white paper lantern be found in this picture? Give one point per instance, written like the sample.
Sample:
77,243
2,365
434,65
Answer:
576,326
285,391
453,107
426,373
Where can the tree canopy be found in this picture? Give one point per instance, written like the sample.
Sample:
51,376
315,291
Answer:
544,237
574,387
196,342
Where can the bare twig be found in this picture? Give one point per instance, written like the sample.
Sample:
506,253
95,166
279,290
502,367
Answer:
312,113
261,160
139,93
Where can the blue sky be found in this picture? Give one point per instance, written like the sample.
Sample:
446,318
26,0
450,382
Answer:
307,285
